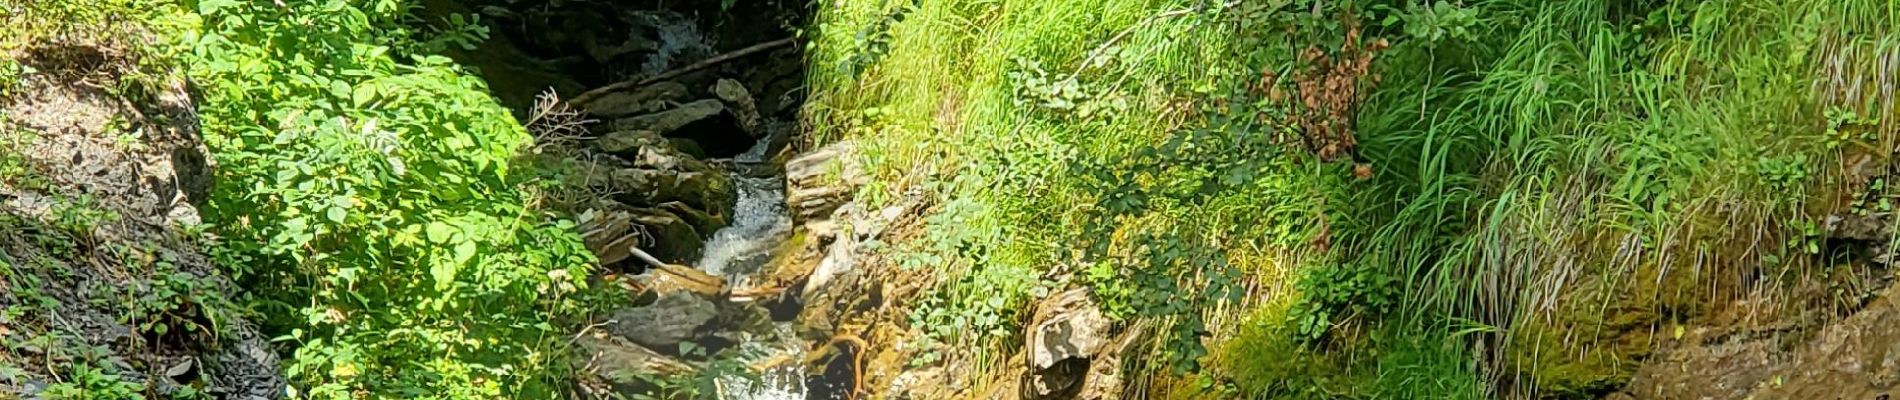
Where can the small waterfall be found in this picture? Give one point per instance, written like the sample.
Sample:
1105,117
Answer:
679,38
760,222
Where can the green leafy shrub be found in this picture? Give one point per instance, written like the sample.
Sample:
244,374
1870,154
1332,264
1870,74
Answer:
1338,295
369,198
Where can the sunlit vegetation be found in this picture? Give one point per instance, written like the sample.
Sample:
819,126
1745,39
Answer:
1389,185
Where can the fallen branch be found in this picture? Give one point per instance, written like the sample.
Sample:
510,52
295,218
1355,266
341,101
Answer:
648,258
591,95
752,295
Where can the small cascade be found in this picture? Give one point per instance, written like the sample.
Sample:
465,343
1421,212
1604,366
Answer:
679,39
659,157
760,221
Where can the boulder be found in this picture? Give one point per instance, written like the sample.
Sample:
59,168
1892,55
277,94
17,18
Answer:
644,100
716,129
618,249
742,106
600,227
1066,338
674,278
672,238
817,183
627,144
606,234
705,190
646,149
675,318
669,121
688,147
701,220
606,50
625,365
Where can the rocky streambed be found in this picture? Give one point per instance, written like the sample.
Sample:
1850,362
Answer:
755,273
677,125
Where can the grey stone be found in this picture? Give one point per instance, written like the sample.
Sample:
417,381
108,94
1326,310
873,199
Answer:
647,99
675,318
666,122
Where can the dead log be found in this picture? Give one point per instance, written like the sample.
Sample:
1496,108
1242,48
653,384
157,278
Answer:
589,96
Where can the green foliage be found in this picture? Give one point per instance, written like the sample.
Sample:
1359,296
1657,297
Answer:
1332,296
80,215
368,197
1439,21
1507,151
173,301
978,306
12,73
88,382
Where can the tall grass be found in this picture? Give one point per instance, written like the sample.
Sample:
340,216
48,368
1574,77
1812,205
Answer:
1550,188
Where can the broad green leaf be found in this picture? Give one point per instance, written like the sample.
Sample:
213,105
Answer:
464,251
211,7
444,274
438,232
363,94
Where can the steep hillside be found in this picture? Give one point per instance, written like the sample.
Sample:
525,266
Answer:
107,285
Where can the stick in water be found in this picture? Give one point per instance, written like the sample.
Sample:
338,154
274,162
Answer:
648,258
590,95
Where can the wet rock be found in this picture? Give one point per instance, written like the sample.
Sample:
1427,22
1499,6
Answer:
623,365
1854,358
707,122
619,249
646,149
1067,335
648,99
740,102
817,183
627,144
669,121
841,257
673,278
676,317
672,238
612,235
599,229
688,147
705,190
1857,227
701,220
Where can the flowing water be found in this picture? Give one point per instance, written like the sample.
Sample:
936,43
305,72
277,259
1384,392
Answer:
759,224
679,39
759,221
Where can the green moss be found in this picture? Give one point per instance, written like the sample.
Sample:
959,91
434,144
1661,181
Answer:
1595,341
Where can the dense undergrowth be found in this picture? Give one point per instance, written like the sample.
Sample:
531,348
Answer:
1403,199
367,194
